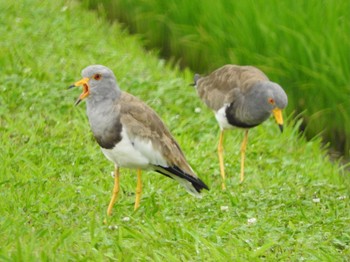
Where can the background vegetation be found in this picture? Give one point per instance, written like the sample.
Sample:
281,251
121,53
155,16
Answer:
55,183
303,45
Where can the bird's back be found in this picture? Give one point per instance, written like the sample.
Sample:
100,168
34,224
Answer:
227,83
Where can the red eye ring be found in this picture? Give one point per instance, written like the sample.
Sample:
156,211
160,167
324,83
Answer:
97,76
271,101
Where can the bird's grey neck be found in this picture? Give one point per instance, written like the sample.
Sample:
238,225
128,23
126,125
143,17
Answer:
103,97
100,103
104,120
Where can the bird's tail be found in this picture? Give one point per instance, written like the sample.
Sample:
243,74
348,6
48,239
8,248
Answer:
192,184
195,79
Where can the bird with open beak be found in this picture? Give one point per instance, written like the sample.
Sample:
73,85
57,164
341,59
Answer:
131,134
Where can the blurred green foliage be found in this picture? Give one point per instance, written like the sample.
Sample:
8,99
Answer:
303,45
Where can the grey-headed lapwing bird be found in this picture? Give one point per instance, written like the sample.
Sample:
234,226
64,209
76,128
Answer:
131,134
243,97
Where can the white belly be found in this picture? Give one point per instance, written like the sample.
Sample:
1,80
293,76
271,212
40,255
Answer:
220,116
134,154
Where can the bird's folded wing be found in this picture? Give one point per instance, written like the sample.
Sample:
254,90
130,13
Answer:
144,126
227,83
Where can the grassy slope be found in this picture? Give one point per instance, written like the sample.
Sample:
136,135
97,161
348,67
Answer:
55,182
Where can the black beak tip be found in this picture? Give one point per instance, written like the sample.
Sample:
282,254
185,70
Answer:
71,86
77,102
281,128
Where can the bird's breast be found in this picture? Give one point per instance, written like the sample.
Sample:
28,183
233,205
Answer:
135,153
105,124
229,117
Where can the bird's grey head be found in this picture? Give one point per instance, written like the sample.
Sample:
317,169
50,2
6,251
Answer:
102,82
269,98
98,84
274,95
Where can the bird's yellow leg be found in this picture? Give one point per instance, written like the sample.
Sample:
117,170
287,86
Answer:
115,191
243,149
138,189
221,159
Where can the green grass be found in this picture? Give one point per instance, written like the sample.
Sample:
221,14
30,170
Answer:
55,183
303,45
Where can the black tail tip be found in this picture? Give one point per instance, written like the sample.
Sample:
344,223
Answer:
199,185
195,79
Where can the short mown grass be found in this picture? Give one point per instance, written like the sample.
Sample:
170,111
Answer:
55,183
302,45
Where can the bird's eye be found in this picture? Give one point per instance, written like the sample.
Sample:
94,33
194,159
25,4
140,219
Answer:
97,76
271,101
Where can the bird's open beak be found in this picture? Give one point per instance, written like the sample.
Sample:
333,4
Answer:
83,82
277,113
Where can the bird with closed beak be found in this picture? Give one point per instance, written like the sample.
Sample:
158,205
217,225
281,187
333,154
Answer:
241,97
131,134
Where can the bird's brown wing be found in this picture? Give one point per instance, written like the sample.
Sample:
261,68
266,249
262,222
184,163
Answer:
142,122
227,83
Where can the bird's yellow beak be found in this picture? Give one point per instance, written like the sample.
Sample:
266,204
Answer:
83,82
277,113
